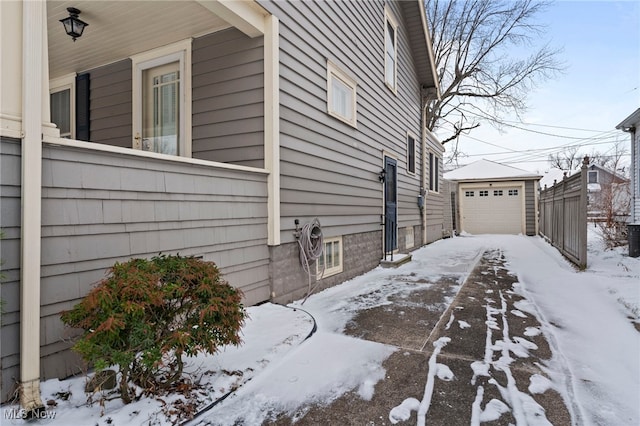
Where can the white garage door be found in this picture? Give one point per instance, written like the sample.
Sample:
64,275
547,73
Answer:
491,210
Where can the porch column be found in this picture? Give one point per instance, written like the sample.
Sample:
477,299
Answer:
11,69
34,25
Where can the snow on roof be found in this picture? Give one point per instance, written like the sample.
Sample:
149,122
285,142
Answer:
486,170
551,175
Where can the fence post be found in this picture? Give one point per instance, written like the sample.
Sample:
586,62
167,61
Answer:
563,222
582,223
554,221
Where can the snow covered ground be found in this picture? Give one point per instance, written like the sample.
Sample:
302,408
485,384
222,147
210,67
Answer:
593,318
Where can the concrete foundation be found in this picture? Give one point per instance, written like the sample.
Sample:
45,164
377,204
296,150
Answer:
361,253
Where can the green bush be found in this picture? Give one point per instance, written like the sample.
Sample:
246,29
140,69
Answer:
146,314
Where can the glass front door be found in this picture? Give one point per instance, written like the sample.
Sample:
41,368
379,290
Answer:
161,109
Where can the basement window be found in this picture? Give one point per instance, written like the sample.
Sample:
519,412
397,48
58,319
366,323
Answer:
331,258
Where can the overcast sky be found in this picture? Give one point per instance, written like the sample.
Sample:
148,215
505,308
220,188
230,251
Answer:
599,89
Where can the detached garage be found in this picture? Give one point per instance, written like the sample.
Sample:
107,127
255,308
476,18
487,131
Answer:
493,198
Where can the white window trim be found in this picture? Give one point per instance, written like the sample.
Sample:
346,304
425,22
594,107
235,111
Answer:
63,83
415,150
336,269
181,52
389,17
333,71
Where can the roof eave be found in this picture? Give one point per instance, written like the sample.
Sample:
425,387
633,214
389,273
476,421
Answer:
502,179
630,121
432,61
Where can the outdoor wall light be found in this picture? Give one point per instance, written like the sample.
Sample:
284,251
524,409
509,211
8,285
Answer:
72,24
382,175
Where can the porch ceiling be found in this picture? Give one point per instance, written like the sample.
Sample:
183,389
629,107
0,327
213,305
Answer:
119,29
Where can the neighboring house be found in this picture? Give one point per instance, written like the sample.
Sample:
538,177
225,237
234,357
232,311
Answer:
493,198
608,194
205,128
551,177
631,124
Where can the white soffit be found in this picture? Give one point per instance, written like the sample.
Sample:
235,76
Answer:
119,29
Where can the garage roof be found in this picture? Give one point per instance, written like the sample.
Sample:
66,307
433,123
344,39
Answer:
489,170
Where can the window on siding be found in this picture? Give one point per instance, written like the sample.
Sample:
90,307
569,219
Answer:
341,95
513,192
331,257
162,100
390,50
411,154
62,105
483,193
434,172
468,193
593,176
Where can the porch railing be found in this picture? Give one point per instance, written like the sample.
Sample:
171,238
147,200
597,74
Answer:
390,237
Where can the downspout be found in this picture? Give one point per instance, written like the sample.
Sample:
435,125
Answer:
33,45
423,168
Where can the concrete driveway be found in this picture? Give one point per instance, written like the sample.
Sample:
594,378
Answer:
478,358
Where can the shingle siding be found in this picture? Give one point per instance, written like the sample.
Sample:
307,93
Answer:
99,208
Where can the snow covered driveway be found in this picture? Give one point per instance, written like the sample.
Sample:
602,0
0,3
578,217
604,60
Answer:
527,340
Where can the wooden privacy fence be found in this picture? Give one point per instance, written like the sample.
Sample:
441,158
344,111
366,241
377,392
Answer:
563,216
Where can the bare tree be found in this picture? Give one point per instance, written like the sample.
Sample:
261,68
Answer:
612,202
481,76
568,159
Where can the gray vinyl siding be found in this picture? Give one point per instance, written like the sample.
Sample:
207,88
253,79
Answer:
434,201
635,176
228,94
530,206
227,100
110,104
449,207
634,213
330,169
99,208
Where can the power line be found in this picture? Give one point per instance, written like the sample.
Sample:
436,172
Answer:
555,127
505,122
